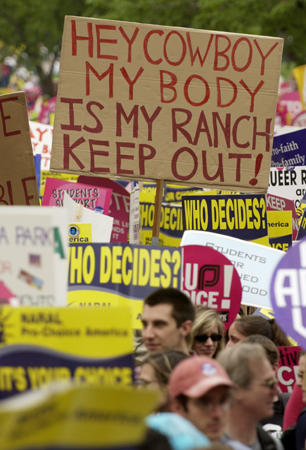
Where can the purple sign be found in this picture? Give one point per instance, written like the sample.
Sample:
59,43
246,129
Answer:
289,149
288,292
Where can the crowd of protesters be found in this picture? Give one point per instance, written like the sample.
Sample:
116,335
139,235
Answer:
217,389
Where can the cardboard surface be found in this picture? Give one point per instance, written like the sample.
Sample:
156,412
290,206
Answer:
17,172
155,102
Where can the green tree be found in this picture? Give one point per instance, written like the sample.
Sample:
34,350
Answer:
163,12
34,29
281,18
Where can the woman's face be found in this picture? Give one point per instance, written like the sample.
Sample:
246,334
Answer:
147,376
206,347
234,336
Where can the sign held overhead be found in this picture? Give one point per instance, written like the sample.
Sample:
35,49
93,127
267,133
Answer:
168,103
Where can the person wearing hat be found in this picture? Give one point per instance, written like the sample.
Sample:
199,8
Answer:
200,391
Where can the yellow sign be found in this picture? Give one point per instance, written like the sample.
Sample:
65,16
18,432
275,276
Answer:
76,417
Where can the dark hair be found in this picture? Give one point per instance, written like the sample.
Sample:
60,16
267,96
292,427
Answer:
255,324
163,363
182,308
268,345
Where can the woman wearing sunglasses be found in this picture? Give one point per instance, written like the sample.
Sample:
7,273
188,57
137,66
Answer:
208,331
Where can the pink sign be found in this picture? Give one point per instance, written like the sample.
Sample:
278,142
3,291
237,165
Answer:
92,197
288,366
119,207
300,119
292,101
6,296
210,279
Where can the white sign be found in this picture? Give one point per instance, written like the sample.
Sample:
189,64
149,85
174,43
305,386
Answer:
254,262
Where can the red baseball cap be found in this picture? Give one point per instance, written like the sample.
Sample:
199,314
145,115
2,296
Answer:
197,375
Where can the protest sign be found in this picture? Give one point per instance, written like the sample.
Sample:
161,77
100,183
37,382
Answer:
115,274
95,198
241,216
289,149
300,119
134,219
277,203
171,223
292,102
86,225
33,261
58,175
41,138
210,279
66,416
289,183
174,193
288,292
37,164
288,367
119,207
302,228
39,345
280,229
131,100
254,262
17,174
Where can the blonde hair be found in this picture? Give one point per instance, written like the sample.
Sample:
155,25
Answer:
205,319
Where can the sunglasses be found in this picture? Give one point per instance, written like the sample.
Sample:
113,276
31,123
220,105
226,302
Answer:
215,337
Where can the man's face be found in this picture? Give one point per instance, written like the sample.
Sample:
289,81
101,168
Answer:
208,413
257,398
301,374
234,336
160,330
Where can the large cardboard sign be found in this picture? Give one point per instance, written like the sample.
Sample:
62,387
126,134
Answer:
157,102
104,275
68,416
40,345
288,292
34,254
254,262
210,279
241,216
17,173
